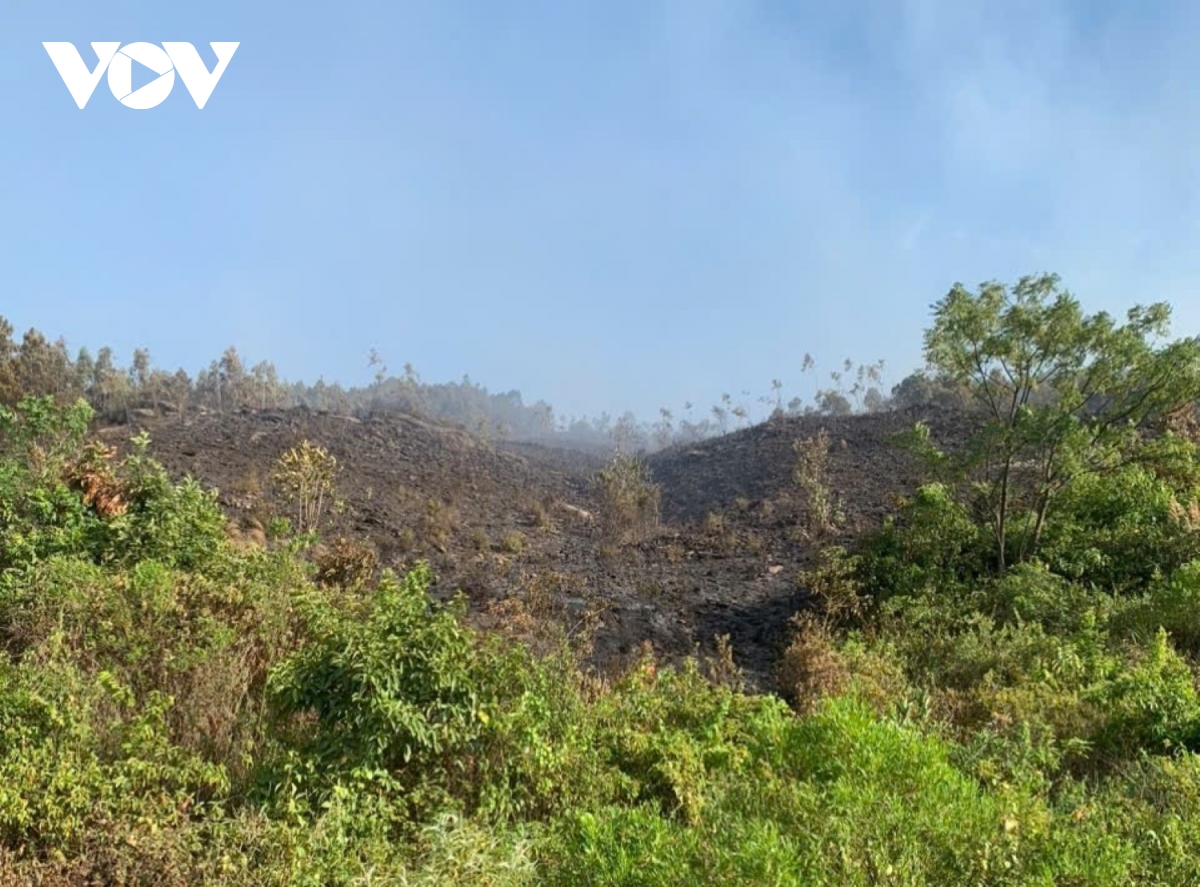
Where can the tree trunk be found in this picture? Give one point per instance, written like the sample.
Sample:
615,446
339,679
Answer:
1002,518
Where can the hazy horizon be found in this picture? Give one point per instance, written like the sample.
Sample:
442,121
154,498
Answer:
615,208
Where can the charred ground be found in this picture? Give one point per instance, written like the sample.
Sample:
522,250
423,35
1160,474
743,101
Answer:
504,521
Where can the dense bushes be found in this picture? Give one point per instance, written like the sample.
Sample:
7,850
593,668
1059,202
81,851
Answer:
1070,678
58,496
177,709
1036,606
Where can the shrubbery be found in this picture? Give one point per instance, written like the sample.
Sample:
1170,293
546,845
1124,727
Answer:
630,499
1036,607
178,709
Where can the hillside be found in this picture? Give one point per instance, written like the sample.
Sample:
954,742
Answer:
867,467
491,517
184,699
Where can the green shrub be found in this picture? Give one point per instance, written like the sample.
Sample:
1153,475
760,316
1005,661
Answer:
373,692
1172,604
49,503
1030,593
1152,704
396,696
82,764
180,525
1118,532
932,541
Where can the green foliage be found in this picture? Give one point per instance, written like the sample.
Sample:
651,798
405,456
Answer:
39,514
42,431
385,687
393,696
55,501
835,583
1062,393
1172,604
179,525
178,710
80,761
1077,661
837,798
932,541
1119,531
1152,704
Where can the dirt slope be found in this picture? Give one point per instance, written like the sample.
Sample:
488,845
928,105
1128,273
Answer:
501,521
866,465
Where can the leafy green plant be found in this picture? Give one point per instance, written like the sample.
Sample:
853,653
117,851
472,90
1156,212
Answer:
1062,393
931,541
1120,531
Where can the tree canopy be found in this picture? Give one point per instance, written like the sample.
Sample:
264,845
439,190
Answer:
1064,393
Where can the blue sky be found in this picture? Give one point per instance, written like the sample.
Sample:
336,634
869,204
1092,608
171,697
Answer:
607,205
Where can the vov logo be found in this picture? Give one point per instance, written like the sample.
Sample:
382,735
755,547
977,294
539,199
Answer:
118,60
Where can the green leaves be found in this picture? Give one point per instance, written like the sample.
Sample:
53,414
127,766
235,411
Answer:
386,687
1063,393
58,495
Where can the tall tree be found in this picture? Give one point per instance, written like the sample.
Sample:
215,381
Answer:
10,387
110,386
1064,394
232,375
44,367
139,370
85,371
179,390
265,381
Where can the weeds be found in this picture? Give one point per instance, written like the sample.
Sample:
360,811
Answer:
438,523
631,500
305,476
346,564
823,512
